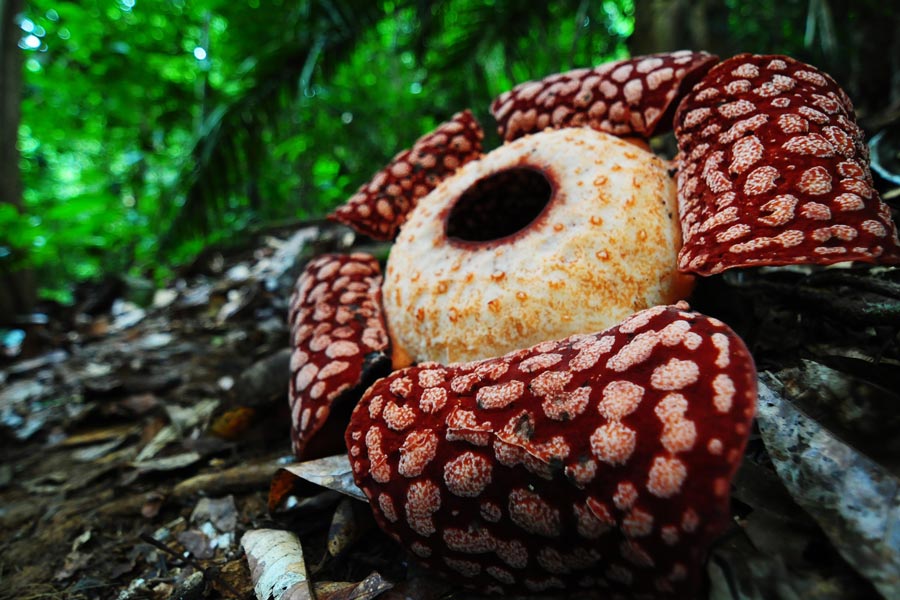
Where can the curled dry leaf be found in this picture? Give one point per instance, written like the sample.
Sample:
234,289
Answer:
332,472
344,528
854,499
372,586
277,566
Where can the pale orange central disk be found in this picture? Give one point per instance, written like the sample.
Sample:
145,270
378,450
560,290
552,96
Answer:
601,246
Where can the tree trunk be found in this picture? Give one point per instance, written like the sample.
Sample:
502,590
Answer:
17,290
667,25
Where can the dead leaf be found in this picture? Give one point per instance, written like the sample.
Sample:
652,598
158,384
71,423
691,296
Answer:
75,561
232,424
332,472
370,587
96,451
277,567
168,463
249,476
197,543
182,419
234,575
854,500
221,512
103,434
344,529
153,503
860,408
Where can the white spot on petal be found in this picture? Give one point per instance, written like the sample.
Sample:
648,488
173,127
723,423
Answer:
667,475
468,474
613,443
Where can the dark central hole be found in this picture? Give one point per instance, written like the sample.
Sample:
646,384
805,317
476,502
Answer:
499,205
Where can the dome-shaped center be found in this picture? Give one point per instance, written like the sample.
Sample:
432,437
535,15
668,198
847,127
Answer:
499,205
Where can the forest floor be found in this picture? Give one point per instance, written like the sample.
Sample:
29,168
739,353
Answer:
139,443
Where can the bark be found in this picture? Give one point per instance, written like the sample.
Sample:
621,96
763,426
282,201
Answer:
10,101
666,25
17,290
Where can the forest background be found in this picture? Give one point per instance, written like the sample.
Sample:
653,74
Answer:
134,133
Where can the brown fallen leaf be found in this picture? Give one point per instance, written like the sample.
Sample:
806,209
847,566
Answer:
248,476
304,479
345,527
232,424
102,434
221,512
370,587
197,543
168,463
853,498
277,567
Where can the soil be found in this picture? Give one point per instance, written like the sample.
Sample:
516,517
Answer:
140,435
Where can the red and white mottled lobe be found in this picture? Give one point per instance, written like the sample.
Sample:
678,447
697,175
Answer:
431,378
379,465
675,374
626,495
474,541
617,98
583,472
540,362
398,417
380,207
564,406
593,519
522,473
638,523
422,500
782,138
325,370
386,503
634,352
723,392
490,512
433,400
500,395
679,435
590,353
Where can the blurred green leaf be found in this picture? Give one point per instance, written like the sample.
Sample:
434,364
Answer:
135,152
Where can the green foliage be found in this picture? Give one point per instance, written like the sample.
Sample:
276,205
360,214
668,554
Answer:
151,127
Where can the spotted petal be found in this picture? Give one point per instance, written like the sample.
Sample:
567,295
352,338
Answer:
774,170
597,460
379,207
339,341
631,97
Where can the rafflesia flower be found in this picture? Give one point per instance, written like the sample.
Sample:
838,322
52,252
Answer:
569,424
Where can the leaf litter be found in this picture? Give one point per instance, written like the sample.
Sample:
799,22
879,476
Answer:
146,449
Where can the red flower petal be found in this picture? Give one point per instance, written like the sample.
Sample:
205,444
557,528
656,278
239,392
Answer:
633,97
774,170
338,337
596,460
379,207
